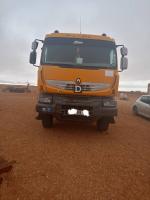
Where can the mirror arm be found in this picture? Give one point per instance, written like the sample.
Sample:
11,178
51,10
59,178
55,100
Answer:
36,66
119,45
39,40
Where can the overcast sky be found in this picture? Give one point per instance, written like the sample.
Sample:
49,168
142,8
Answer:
128,22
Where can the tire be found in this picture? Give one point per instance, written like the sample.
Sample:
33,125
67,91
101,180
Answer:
102,124
135,110
47,121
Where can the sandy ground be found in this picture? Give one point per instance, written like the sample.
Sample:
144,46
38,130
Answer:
73,160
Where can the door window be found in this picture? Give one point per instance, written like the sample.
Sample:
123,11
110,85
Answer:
145,99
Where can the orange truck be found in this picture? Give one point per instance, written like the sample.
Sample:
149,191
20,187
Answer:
78,78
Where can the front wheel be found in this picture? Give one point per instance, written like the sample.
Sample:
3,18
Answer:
135,110
102,124
47,121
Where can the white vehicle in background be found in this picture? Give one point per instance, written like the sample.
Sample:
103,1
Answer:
142,106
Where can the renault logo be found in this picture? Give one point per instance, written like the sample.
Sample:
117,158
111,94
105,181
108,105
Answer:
78,88
78,81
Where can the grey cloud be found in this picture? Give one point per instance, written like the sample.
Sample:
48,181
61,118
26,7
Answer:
22,21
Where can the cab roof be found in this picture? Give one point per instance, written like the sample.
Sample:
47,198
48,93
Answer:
103,37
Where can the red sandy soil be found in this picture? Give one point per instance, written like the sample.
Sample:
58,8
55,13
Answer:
73,161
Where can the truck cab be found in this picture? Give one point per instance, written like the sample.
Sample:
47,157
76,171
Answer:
78,78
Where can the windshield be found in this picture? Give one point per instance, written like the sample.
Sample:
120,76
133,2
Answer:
77,52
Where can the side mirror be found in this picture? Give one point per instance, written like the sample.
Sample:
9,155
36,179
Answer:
123,63
124,51
32,59
34,45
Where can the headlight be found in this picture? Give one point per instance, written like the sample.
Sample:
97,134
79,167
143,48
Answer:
109,103
45,99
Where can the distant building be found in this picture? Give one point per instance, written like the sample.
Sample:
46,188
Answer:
148,89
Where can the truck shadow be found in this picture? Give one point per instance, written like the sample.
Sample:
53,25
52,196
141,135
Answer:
77,128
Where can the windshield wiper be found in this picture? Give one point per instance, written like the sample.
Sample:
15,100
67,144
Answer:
80,66
58,64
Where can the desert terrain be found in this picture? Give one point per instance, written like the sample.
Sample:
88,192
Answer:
72,161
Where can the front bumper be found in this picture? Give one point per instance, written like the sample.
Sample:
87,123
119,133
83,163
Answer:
61,103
